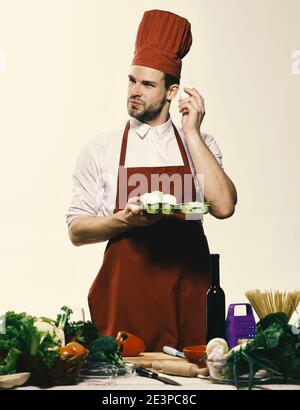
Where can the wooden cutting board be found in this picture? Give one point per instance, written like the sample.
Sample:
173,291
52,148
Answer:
146,359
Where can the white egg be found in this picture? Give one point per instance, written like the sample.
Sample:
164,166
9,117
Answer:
155,197
144,198
169,199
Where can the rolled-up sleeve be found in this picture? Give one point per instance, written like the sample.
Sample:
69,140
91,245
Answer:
214,147
87,185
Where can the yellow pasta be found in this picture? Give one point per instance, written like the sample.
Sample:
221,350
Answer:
273,301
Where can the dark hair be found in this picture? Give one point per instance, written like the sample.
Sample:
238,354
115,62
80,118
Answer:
170,79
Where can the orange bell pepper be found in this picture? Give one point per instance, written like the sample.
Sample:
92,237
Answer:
132,346
72,349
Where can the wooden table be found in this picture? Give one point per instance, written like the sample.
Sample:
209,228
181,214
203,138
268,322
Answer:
146,358
134,382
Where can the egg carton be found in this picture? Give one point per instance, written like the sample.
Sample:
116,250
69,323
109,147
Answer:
183,208
157,202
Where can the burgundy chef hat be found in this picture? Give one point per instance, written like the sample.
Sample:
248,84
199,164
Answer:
163,39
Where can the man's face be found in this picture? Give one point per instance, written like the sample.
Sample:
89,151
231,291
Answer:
147,94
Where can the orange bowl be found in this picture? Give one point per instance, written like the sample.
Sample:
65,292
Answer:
196,354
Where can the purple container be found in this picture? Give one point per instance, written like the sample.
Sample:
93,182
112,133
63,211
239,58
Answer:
239,327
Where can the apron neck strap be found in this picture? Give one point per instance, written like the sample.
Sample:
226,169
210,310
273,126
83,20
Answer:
124,145
181,148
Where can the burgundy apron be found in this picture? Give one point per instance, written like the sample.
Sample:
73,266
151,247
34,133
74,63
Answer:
153,279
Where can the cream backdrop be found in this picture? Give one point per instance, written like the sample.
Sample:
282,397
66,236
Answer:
63,78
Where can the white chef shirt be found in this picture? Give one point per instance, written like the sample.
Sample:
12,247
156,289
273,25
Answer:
96,172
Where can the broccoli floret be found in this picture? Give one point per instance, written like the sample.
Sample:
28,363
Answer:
107,344
89,334
97,357
105,349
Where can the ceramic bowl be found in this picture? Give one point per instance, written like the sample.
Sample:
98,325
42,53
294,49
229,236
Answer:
13,380
196,354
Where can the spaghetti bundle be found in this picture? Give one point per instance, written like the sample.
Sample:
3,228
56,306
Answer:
271,301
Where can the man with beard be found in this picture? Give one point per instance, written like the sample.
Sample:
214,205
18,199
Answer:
155,271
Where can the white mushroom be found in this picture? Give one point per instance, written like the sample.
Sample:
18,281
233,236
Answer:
216,343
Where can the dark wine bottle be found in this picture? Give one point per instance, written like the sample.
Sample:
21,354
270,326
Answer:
215,302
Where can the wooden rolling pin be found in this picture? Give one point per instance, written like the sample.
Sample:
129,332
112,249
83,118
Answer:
178,368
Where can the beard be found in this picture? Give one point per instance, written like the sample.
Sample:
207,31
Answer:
147,113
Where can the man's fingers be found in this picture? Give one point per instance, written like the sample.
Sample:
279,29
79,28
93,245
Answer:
153,218
195,105
144,219
194,93
134,200
183,103
188,106
135,205
191,102
135,209
198,102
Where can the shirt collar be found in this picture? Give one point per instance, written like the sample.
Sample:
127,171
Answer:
141,128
